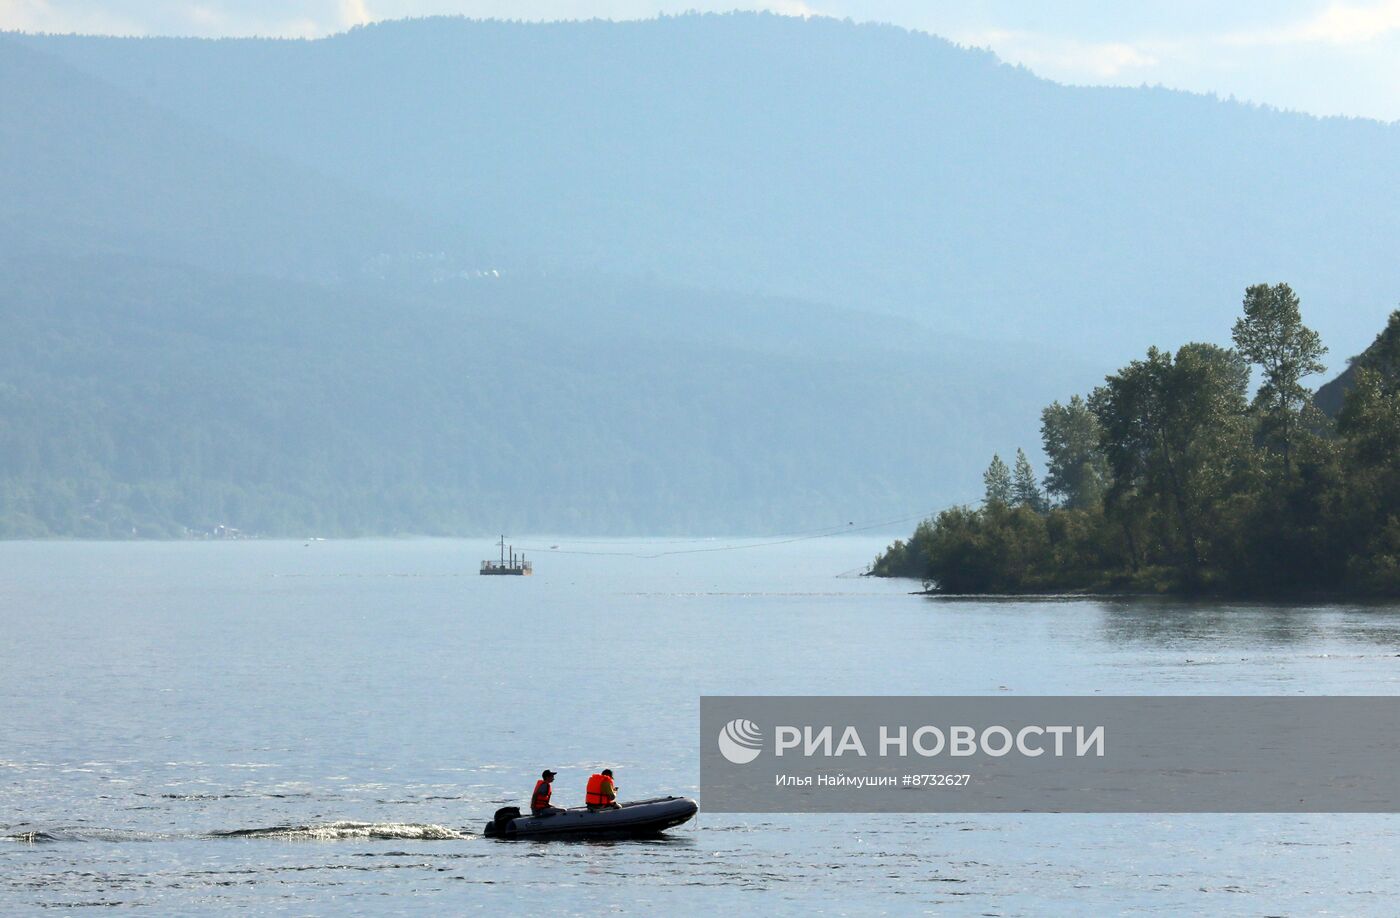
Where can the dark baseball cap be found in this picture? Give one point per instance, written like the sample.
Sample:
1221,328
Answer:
608,772
547,774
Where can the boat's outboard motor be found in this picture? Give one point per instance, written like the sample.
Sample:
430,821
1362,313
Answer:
499,822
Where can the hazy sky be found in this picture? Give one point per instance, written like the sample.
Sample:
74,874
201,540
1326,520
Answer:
1321,56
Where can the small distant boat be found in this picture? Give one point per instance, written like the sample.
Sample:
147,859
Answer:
641,819
509,566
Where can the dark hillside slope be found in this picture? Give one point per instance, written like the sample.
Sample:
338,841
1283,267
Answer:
145,399
1331,396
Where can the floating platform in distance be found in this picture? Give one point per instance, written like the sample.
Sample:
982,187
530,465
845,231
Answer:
508,568
510,564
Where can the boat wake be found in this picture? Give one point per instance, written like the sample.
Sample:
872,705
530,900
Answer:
339,831
329,831
34,836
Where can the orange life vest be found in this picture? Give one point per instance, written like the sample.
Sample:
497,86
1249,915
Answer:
540,798
593,795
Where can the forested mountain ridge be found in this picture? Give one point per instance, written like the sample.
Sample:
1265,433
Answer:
157,400
858,164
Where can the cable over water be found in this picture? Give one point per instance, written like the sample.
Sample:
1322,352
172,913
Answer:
825,532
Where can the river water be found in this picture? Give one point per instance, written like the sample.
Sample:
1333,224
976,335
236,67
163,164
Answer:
324,727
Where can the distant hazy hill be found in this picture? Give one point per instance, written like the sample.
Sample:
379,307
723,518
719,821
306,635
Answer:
88,167
452,276
858,164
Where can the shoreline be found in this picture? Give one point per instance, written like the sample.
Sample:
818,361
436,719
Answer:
1292,599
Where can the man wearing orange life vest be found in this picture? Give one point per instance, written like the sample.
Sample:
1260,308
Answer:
601,793
539,800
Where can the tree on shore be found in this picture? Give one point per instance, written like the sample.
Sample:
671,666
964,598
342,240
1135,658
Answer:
997,483
1272,335
1025,491
1171,479
1173,427
1369,428
1075,470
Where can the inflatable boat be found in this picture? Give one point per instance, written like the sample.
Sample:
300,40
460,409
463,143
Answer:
630,820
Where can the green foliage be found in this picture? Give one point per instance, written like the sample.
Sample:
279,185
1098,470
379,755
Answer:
1167,486
1369,460
1383,356
1025,492
1075,467
1272,335
996,483
1174,433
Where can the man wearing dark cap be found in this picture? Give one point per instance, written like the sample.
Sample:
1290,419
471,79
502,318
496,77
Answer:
539,800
